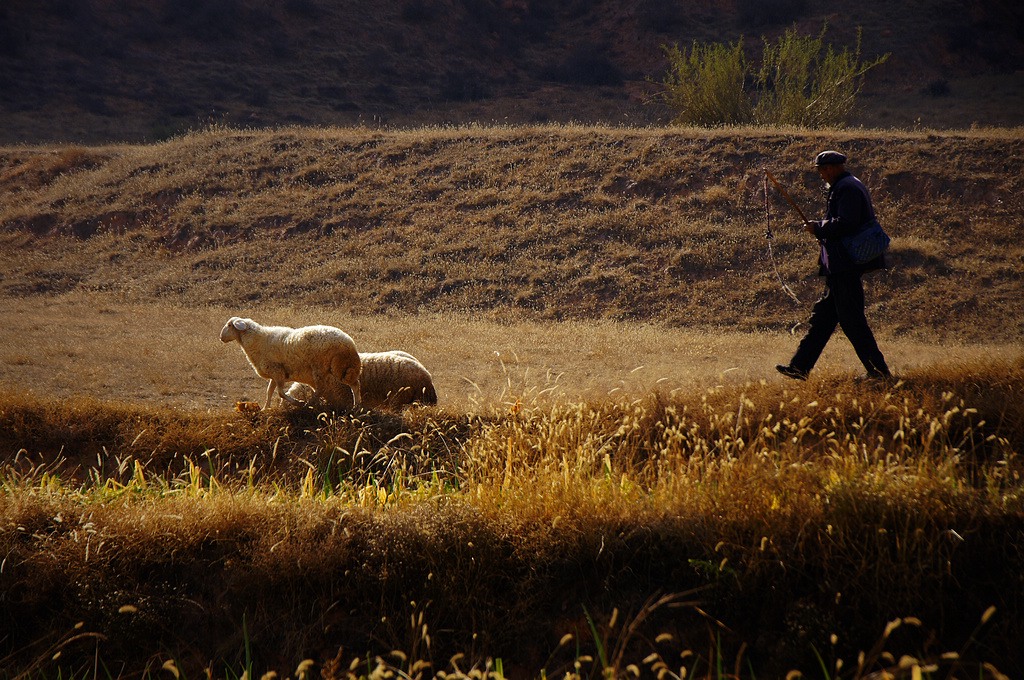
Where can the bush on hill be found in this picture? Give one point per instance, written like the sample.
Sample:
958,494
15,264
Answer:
800,81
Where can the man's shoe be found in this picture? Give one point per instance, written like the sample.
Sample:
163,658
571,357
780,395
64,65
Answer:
791,372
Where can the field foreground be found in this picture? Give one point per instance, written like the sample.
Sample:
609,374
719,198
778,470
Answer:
748,528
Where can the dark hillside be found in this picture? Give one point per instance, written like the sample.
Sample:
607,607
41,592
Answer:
96,70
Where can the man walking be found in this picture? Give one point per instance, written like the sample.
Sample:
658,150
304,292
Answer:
848,209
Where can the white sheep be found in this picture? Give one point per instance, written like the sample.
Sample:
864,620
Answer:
323,357
389,380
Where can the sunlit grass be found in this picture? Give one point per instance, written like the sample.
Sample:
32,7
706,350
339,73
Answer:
510,223
873,489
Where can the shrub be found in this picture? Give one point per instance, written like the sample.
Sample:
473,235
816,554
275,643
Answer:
799,82
705,85
803,83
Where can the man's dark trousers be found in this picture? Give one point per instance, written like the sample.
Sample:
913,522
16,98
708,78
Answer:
842,305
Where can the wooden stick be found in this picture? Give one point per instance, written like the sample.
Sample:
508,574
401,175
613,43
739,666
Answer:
785,195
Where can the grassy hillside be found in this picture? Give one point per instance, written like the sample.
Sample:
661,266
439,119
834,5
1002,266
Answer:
660,225
99,70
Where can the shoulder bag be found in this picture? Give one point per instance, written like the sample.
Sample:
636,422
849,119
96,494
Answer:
868,243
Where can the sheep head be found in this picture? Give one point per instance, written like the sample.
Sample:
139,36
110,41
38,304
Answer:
234,328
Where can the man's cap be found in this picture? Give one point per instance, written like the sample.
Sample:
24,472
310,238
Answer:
829,158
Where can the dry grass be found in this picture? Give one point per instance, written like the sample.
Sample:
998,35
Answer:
788,512
163,354
601,328
511,224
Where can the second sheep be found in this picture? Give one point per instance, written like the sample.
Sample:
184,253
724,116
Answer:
388,380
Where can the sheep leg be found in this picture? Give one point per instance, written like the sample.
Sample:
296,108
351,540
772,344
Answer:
287,397
351,378
270,393
332,391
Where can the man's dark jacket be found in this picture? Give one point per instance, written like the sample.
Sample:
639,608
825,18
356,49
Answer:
847,211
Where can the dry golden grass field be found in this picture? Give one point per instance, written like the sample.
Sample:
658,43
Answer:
614,483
